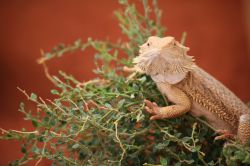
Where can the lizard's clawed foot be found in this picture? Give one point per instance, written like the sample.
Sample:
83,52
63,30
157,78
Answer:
152,108
224,134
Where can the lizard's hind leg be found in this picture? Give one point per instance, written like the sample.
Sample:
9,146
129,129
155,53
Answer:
244,128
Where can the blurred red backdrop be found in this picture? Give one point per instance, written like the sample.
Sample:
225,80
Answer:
218,35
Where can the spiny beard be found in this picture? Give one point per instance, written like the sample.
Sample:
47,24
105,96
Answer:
145,58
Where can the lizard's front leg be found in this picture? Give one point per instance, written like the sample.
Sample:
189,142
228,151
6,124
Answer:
182,103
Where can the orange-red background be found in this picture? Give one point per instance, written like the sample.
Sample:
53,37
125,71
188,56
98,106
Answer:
218,35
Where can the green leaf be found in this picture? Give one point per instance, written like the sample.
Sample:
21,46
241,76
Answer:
163,161
122,2
54,92
108,105
15,163
34,123
52,122
143,79
121,103
31,136
41,138
33,97
23,149
75,146
177,164
82,155
21,106
132,96
35,150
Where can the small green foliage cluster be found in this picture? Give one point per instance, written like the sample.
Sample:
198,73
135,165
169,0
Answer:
103,122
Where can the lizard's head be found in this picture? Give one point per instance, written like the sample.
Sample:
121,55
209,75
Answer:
163,55
156,45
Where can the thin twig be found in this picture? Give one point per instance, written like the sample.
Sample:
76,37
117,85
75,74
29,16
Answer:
24,92
119,141
46,69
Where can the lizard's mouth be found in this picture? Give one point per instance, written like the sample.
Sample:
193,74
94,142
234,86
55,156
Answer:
146,56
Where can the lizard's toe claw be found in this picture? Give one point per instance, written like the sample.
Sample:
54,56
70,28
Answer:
224,134
229,136
148,109
154,117
148,103
222,131
151,110
154,103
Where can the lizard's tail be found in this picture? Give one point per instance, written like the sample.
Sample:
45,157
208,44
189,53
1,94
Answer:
244,129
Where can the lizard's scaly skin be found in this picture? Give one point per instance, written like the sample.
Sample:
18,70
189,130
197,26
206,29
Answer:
213,96
184,83
243,130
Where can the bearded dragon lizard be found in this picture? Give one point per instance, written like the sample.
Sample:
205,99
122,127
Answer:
190,89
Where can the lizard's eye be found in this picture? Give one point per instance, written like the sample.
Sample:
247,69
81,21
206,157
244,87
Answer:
148,44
